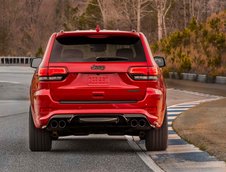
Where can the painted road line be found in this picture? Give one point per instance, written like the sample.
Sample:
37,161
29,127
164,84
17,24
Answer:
12,101
144,156
170,123
173,113
171,117
11,82
187,105
210,166
175,149
177,109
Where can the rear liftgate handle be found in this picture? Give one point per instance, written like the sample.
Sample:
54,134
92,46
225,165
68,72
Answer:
98,94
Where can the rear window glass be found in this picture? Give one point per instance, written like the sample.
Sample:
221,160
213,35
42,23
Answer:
85,49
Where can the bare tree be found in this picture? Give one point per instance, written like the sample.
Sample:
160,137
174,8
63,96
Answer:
104,9
141,12
133,11
162,9
164,18
185,13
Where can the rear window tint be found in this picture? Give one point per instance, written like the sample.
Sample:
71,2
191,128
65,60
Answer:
86,49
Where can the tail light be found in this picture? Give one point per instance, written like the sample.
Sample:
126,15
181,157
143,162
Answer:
144,73
52,73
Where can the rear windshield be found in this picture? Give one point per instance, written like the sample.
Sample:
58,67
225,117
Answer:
85,49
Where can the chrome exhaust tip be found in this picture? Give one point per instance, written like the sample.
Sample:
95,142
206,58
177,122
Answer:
134,123
142,123
54,124
62,124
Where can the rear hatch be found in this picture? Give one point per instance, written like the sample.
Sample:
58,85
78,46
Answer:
97,70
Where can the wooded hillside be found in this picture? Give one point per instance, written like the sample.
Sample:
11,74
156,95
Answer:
199,48
26,25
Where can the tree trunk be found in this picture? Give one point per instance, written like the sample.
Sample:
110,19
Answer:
103,12
160,29
185,21
138,15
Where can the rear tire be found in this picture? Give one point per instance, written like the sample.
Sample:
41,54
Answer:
157,139
39,139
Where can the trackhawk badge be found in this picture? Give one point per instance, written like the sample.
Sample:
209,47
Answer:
95,67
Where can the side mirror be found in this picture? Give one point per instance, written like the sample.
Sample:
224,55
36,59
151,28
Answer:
160,61
35,62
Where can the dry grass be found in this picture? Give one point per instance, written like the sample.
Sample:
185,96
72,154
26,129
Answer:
205,127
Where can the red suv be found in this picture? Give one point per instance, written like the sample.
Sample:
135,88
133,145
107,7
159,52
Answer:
96,82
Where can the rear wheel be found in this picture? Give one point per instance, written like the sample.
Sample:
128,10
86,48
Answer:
156,139
39,139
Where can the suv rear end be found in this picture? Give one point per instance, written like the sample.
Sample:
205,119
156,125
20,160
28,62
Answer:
96,82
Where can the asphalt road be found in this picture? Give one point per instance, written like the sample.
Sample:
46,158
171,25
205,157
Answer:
89,153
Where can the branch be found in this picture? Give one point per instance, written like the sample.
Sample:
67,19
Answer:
167,10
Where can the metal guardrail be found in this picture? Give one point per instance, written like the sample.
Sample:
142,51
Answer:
15,60
220,80
198,77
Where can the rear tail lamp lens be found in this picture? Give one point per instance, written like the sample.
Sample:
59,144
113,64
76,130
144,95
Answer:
52,73
144,73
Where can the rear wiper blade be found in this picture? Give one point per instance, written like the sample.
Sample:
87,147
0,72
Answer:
111,58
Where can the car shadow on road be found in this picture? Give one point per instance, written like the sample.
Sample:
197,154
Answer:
92,145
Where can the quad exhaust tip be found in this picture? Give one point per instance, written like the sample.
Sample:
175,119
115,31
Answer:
138,123
142,123
62,124
54,124
134,123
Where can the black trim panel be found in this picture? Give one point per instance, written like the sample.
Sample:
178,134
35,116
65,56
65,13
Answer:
97,102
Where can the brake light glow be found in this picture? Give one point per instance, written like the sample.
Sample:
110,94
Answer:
52,73
144,73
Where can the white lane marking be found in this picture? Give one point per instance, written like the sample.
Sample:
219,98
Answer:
144,156
188,166
177,109
12,82
187,148
173,113
171,117
187,105
12,101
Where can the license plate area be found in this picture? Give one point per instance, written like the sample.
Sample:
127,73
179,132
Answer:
97,80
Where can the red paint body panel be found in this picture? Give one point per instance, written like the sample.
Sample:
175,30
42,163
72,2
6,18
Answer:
114,83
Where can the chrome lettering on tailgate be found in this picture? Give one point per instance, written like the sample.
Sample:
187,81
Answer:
97,67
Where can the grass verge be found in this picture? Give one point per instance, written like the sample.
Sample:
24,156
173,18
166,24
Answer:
204,125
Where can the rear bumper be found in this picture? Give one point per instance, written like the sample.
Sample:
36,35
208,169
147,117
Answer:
119,124
152,107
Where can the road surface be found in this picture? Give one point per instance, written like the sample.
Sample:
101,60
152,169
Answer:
88,153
